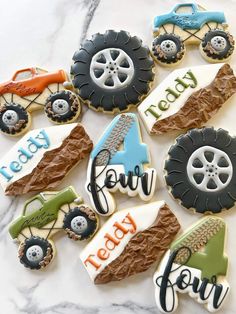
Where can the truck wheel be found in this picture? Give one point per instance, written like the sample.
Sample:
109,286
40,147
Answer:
112,71
168,49
14,119
35,253
201,170
62,107
80,223
217,45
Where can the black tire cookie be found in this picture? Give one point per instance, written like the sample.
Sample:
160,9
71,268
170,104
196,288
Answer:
14,119
62,107
112,71
217,45
168,48
80,223
35,253
201,170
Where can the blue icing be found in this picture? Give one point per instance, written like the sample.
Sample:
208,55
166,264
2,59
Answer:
194,20
134,153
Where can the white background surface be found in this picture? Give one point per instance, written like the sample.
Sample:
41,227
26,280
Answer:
46,33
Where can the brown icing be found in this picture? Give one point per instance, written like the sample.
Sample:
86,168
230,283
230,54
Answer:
55,164
201,105
145,248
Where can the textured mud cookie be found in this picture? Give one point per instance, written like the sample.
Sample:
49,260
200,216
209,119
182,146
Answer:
119,161
42,158
32,89
190,23
112,71
187,98
195,265
201,170
130,242
43,216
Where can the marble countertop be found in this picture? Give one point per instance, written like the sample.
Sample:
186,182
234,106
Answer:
46,33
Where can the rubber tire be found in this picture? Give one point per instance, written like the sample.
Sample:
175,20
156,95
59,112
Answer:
43,243
221,55
112,100
168,59
74,212
23,116
72,113
176,170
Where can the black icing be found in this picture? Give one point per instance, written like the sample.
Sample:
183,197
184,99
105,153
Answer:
176,170
114,99
75,212
208,49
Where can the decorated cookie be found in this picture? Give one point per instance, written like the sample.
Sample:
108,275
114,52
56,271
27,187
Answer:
130,242
187,98
32,89
201,170
46,214
42,158
119,161
112,71
195,265
189,23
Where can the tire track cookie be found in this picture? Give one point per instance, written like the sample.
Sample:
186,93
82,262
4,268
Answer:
187,98
112,71
201,170
196,265
43,216
42,158
119,161
130,242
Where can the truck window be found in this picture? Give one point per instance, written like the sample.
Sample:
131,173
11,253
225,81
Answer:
40,71
33,206
47,195
23,75
186,9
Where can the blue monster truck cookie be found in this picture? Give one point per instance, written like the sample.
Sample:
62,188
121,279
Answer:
189,23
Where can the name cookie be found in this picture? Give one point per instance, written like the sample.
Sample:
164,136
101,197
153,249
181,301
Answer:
43,216
196,265
42,158
189,23
187,98
130,242
119,161
32,89
112,71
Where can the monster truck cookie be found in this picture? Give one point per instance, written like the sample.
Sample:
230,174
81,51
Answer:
187,98
119,161
186,24
46,214
130,242
112,71
42,158
195,265
32,89
201,170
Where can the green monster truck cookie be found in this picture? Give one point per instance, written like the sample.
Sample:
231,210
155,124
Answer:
46,214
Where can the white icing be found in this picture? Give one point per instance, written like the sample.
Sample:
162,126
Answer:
176,271
204,75
144,216
56,135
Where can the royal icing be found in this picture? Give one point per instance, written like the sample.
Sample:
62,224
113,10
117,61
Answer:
111,168
190,267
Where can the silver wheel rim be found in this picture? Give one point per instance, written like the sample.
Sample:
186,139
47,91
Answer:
34,254
169,47
10,117
79,224
219,43
111,68
209,176
60,106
